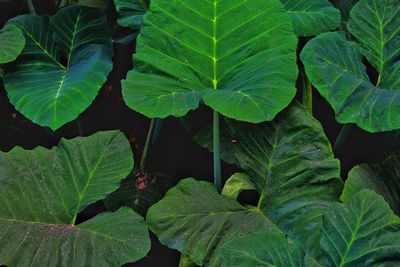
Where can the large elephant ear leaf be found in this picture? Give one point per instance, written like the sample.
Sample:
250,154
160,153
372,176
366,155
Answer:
12,42
238,57
131,12
362,232
194,219
334,65
261,249
383,178
40,84
48,189
312,17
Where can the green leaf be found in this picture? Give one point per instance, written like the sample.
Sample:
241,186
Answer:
292,165
236,56
140,191
362,232
383,178
42,192
194,219
261,249
345,7
236,184
12,42
40,85
130,12
101,4
334,66
312,17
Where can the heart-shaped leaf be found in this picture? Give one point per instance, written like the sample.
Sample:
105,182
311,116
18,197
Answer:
12,42
312,17
334,66
130,12
292,166
42,192
383,178
362,232
237,56
44,88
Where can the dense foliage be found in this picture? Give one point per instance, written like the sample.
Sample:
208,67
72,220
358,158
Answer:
241,78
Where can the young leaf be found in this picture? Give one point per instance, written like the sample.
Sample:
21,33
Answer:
194,219
236,56
362,232
42,192
12,42
334,66
383,178
236,184
261,249
312,17
40,85
130,12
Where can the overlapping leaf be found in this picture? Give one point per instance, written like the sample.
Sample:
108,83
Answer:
334,65
40,84
130,12
292,167
42,192
312,17
383,178
236,56
12,42
236,184
194,219
361,232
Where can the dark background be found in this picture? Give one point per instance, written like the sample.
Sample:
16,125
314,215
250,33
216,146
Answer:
174,153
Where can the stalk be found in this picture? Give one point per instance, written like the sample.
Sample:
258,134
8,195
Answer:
31,7
147,144
80,127
307,94
344,132
216,146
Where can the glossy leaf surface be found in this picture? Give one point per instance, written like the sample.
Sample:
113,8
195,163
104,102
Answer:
334,66
239,58
44,88
42,192
131,12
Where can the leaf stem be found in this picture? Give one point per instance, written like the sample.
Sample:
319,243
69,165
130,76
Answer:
147,145
307,94
344,132
80,127
31,7
216,149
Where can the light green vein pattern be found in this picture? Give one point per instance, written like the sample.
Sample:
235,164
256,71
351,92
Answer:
334,66
186,49
43,190
44,88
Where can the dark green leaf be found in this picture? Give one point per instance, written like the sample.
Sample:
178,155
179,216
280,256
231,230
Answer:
140,192
42,192
383,178
312,17
362,232
236,56
194,219
130,12
334,66
40,85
